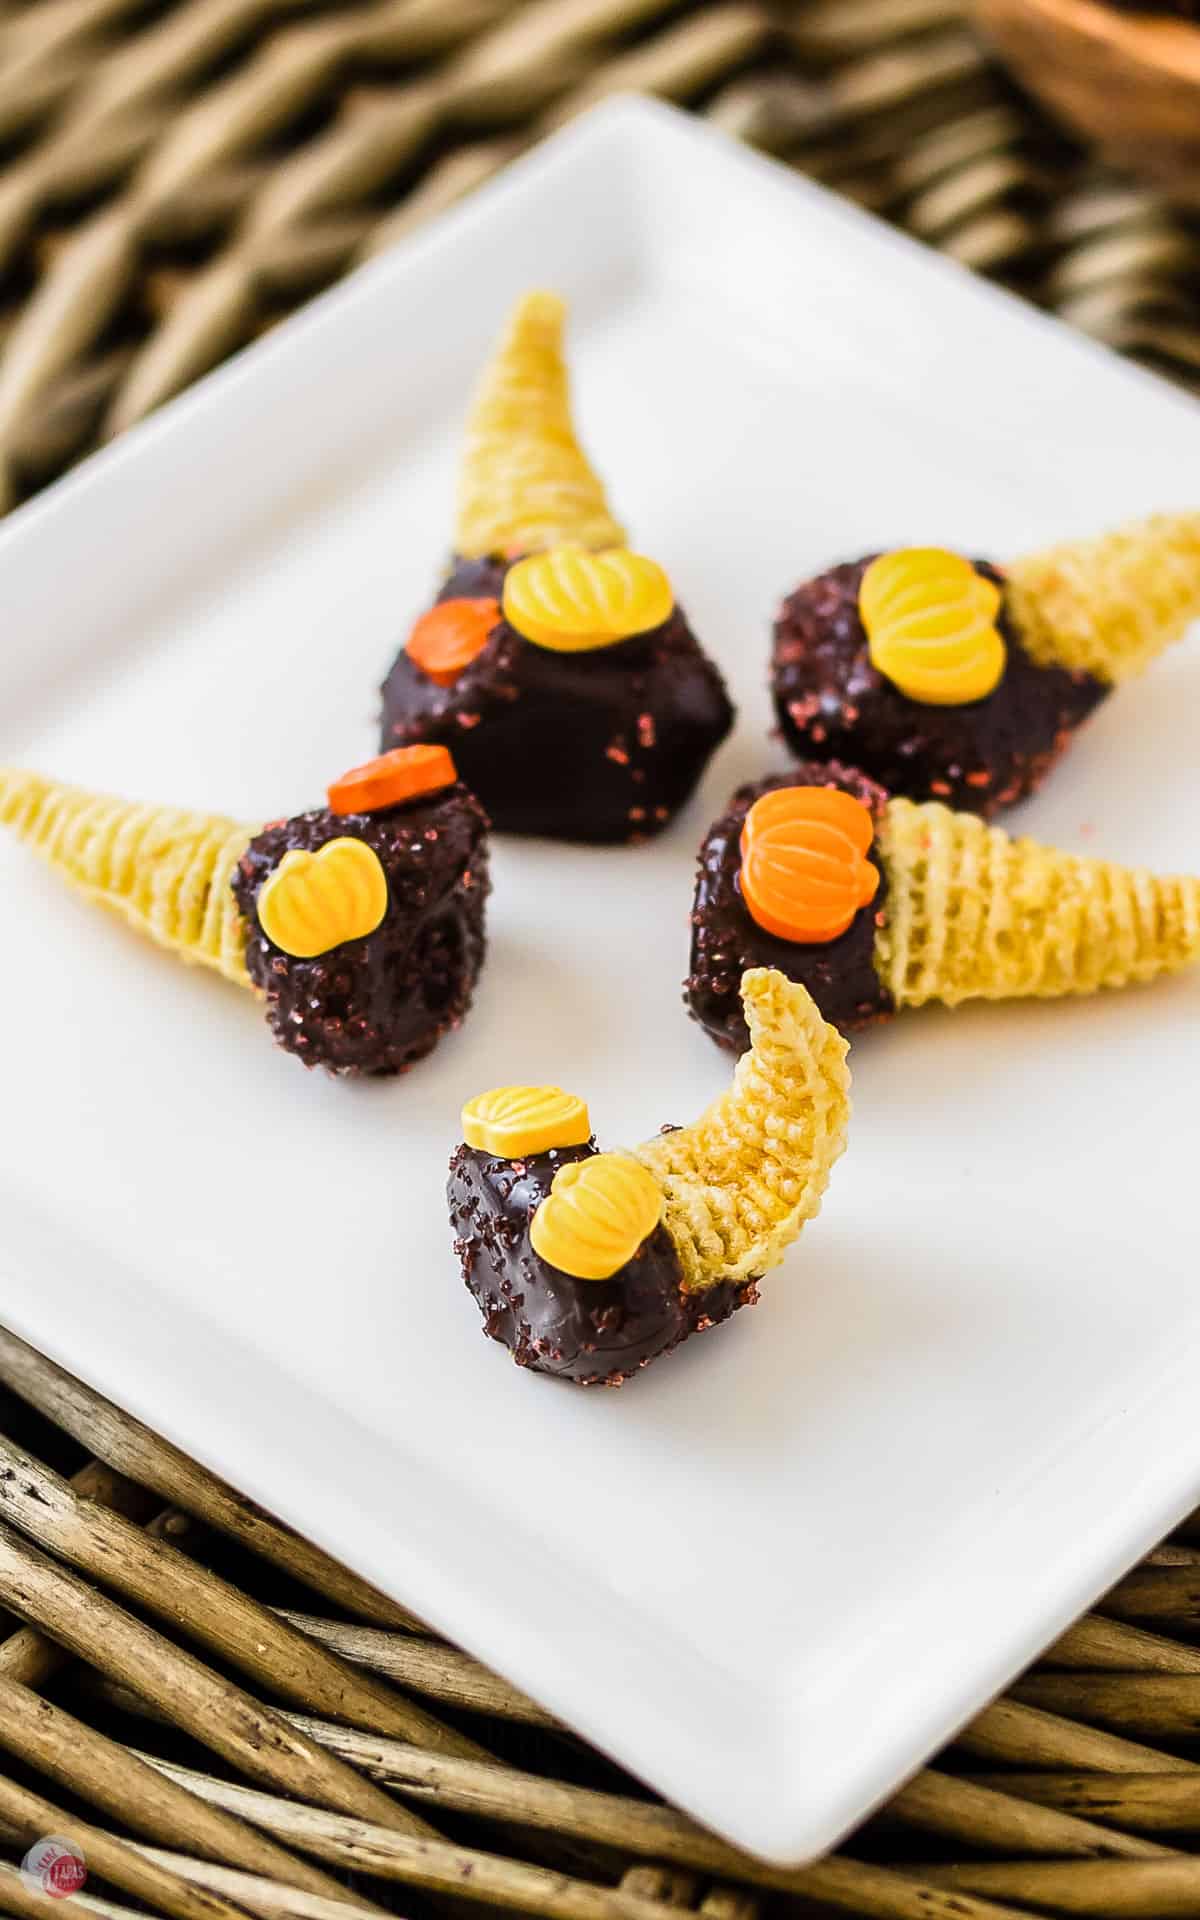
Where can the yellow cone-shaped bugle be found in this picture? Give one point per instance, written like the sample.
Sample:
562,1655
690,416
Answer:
164,870
971,913
1111,605
525,482
743,1180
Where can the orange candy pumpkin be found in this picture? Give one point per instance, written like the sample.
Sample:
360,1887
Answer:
448,637
805,872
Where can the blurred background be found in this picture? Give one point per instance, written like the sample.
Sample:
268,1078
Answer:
179,174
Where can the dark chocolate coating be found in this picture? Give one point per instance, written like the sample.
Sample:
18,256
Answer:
601,746
595,1332
376,1005
726,939
474,579
834,705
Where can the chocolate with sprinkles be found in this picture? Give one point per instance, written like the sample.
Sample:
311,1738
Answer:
378,1004
593,1332
602,746
833,704
726,939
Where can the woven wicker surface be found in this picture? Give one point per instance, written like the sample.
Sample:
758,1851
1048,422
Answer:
222,1720
176,178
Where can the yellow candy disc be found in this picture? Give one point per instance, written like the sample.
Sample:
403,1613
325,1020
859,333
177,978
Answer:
596,1215
513,1121
931,626
316,901
572,601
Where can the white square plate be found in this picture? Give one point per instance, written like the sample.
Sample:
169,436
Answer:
776,1571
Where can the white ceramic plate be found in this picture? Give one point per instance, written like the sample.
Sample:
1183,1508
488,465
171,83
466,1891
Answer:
776,1571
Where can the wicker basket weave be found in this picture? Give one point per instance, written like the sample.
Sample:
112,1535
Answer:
224,1720
179,176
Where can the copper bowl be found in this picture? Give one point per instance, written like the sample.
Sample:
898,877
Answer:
1128,82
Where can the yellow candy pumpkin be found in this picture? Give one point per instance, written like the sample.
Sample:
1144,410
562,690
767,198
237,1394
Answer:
596,1215
314,902
931,626
513,1121
572,601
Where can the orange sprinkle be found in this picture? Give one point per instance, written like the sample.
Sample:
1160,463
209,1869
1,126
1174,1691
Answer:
448,637
805,872
400,775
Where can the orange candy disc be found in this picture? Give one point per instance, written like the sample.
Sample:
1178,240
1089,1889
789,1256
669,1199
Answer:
448,637
400,775
805,872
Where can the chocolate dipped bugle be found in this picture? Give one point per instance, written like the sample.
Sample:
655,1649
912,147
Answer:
588,1265
948,678
360,924
555,663
878,905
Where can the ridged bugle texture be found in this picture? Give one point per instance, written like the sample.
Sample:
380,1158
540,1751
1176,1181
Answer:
743,1180
525,481
166,871
1110,605
973,914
